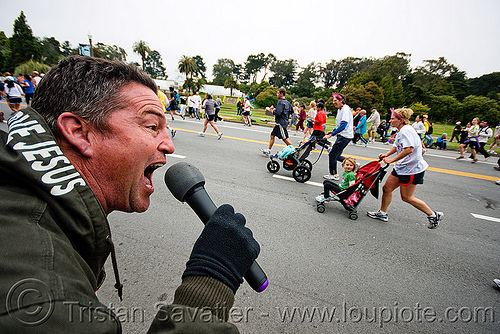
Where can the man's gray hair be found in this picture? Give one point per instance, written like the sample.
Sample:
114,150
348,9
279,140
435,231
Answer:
88,87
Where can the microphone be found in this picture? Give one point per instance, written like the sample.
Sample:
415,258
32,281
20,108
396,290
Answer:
186,183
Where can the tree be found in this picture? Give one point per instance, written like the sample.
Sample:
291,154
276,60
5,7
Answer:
253,65
329,74
67,49
348,67
189,85
446,108
222,71
142,49
231,84
23,44
397,67
364,96
188,66
419,108
5,53
459,86
439,67
486,85
154,66
482,107
284,73
50,49
201,66
198,84
268,61
104,51
305,82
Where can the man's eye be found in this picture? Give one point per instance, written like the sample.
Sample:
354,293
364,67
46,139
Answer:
153,127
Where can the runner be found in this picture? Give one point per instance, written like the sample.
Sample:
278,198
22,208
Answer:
408,171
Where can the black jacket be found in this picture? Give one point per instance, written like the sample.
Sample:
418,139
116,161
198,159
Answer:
55,239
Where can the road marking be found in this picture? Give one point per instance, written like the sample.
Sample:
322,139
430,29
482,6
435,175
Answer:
493,219
434,169
311,183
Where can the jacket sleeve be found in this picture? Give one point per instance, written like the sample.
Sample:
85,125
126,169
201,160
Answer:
201,305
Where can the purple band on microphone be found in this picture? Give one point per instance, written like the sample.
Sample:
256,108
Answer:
263,286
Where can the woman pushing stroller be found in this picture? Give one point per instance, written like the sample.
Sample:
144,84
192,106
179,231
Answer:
408,171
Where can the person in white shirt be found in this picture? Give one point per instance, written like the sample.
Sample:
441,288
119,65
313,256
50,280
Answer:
375,120
344,132
14,94
196,104
419,126
408,171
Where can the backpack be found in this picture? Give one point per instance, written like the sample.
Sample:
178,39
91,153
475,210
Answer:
431,130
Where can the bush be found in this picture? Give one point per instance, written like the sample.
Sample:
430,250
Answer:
266,99
30,66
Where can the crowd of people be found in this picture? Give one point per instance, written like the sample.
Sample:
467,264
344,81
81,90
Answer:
78,159
13,89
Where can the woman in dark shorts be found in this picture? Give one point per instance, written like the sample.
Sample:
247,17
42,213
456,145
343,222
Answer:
408,171
209,106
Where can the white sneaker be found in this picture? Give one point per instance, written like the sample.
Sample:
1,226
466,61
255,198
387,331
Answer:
331,177
497,282
201,134
266,152
219,136
378,215
320,198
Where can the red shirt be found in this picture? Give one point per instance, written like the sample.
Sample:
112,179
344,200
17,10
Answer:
320,121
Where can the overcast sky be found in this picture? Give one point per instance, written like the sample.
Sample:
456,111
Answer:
465,32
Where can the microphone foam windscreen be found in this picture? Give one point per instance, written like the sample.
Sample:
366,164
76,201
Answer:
181,178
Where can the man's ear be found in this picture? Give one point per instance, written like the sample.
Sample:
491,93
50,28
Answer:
76,131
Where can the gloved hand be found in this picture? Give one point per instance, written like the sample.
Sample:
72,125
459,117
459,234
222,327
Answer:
225,249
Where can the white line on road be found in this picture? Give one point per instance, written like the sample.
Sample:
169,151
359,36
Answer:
493,219
292,179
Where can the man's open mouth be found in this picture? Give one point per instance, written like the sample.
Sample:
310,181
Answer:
148,173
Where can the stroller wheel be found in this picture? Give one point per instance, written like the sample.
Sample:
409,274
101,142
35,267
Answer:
353,215
273,166
320,207
301,174
307,163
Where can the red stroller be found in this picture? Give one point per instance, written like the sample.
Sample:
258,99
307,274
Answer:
368,178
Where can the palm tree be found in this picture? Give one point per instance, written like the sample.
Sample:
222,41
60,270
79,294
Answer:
141,48
231,84
188,66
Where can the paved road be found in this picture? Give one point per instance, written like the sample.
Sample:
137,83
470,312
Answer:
327,273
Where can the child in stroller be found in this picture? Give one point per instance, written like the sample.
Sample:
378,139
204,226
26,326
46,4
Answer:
367,179
349,178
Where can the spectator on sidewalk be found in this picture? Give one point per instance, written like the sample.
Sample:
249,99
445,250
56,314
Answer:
441,142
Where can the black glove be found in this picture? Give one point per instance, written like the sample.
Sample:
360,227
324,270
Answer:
225,249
